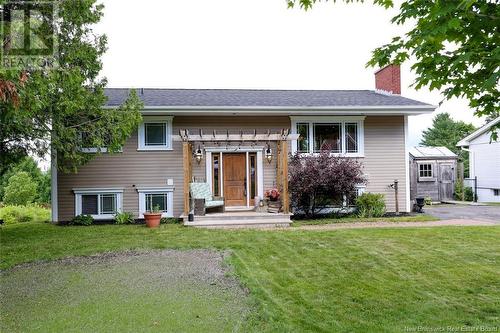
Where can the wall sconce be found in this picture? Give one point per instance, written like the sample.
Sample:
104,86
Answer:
198,155
269,154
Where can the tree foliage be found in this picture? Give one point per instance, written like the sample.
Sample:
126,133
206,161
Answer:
316,182
447,132
21,189
455,44
30,166
43,107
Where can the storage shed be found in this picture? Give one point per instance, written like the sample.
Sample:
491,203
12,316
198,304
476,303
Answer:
433,171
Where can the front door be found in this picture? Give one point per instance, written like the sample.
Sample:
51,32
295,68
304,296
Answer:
234,170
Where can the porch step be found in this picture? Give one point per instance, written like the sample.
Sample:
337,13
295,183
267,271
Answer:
240,219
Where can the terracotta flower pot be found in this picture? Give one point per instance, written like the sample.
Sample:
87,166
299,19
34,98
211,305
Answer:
152,219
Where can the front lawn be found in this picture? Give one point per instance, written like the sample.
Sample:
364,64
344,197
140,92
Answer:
354,219
361,280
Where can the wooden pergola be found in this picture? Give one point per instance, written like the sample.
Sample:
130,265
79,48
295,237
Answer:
281,138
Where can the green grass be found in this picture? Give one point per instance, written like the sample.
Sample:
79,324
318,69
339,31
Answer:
492,203
353,219
362,280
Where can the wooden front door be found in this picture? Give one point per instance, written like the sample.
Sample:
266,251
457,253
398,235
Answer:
234,170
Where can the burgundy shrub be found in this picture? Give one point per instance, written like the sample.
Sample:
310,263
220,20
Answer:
317,181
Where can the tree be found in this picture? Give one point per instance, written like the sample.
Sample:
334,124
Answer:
21,189
30,166
447,132
456,46
62,106
316,182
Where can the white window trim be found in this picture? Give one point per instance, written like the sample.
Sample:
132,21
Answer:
326,120
141,140
151,190
98,191
426,179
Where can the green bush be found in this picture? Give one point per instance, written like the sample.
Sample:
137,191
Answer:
370,205
468,194
428,201
82,220
458,191
124,218
21,189
20,214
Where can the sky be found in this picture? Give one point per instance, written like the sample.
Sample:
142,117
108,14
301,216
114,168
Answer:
258,44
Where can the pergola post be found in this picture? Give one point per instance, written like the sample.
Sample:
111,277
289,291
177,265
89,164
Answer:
187,164
284,170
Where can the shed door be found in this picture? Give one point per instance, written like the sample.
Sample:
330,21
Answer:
446,181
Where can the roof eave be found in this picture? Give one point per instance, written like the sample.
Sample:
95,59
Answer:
294,110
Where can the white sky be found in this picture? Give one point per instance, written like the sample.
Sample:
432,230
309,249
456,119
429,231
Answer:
253,44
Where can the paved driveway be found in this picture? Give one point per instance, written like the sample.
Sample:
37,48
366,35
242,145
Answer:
484,213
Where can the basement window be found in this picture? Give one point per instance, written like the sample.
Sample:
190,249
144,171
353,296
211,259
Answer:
99,203
159,197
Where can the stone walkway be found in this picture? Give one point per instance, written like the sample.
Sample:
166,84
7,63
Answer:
334,226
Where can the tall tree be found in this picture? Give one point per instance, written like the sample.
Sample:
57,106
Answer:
62,106
447,132
456,44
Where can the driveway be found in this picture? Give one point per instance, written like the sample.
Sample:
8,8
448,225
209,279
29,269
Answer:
482,213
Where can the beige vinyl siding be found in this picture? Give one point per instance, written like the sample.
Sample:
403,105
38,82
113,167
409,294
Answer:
384,161
385,157
132,168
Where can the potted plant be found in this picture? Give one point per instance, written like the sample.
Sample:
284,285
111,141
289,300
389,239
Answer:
273,196
153,217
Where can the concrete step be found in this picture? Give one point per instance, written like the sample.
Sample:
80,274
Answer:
247,223
239,216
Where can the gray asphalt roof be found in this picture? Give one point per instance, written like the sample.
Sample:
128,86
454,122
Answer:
259,98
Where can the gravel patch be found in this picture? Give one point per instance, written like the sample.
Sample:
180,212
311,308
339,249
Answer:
126,291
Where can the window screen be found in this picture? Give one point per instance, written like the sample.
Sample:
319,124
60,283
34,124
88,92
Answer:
158,200
89,204
303,141
108,203
155,134
351,137
327,136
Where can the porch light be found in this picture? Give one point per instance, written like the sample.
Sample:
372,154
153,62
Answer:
269,154
198,155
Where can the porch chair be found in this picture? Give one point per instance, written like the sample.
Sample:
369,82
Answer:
203,199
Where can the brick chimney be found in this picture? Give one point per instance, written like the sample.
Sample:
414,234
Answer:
389,79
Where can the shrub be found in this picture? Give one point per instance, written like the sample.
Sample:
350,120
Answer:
428,201
319,181
41,178
82,220
458,192
21,189
124,218
370,205
20,214
468,194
